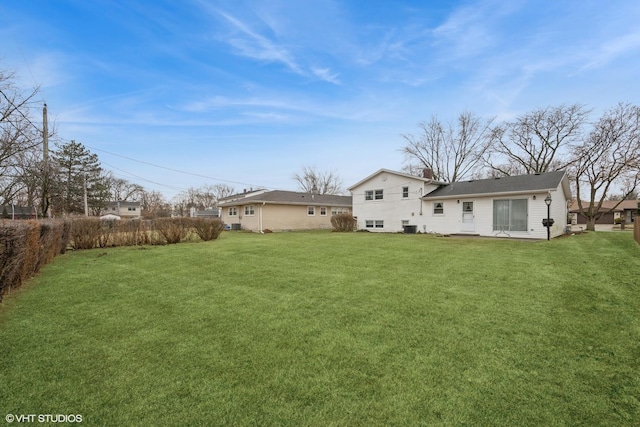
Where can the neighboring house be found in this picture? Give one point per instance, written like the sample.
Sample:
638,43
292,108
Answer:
124,210
388,201
206,213
283,211
626,209
12,211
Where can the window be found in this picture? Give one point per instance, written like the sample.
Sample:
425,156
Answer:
249,210
370,223
373,195
323,211
233,211
438,208
336,211
510,215
131,209
311,210
405,192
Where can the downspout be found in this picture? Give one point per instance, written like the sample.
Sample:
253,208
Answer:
263,203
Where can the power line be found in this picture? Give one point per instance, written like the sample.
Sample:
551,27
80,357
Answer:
175,170
144,179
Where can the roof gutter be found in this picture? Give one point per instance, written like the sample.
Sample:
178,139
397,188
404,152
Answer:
506,193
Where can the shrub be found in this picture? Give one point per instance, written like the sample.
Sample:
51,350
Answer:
25,246
343,222
12,250
132,233
85,233
171,230
207,229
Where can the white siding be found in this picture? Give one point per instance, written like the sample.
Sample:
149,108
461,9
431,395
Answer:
393,208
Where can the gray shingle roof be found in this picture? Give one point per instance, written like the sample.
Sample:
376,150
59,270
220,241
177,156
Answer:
293,198
508,184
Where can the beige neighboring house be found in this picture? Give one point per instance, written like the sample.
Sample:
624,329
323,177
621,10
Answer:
122,210
283,211
625,209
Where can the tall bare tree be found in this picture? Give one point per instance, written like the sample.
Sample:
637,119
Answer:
608,160
453,151
312,180
18,133
537,141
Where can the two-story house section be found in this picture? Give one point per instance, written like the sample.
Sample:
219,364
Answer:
387,200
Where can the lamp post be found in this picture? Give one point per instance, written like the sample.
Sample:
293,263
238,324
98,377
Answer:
547,201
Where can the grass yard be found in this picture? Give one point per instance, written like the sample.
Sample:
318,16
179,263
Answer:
331,329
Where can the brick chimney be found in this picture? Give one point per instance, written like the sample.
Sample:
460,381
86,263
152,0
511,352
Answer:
427,173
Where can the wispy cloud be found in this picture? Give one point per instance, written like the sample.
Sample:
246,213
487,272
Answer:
326,75
251,44
610,50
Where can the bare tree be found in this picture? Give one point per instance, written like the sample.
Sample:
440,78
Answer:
17,132
154,204
122,189
608,160
453,151
199,198
220,191
311,180
537,141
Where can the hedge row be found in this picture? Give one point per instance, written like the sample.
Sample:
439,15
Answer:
89,233
25,246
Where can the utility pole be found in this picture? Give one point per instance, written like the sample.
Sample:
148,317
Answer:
86,204
45,160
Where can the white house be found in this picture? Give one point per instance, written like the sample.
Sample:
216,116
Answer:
121,209
388,201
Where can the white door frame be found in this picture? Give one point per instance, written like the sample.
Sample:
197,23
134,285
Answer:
468,224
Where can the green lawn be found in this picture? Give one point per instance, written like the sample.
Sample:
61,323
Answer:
331,329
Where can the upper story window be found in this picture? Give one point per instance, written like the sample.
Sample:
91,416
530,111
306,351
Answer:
405,192
438,208
323,211
233,211
311,210
249,210
130,208
373,195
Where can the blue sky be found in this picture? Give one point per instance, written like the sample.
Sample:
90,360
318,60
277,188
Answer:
248,92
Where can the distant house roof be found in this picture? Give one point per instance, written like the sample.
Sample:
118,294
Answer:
123,204
503,185
293,198
608,205
18,212
389,171
206,213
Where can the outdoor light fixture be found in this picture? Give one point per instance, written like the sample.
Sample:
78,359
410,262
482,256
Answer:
548,222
